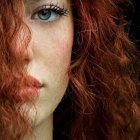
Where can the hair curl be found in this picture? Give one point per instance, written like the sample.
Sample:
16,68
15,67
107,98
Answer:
101,102
101,99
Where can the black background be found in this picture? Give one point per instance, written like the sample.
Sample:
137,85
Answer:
135,23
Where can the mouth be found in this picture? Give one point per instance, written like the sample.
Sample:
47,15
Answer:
31,88
33,82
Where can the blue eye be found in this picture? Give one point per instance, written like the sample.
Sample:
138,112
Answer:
44,14
48,14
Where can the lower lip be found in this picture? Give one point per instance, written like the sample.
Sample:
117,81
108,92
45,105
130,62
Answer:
29,91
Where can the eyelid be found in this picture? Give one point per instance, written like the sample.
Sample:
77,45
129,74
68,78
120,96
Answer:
40,8
51,6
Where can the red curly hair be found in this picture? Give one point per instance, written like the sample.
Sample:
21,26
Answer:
101,99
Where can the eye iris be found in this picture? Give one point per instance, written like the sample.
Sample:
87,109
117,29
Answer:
44,14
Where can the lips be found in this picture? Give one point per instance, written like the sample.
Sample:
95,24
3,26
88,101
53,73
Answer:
31,88
33,82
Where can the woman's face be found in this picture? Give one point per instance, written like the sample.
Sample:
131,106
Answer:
51,25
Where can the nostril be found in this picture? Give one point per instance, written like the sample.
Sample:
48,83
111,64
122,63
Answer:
27,60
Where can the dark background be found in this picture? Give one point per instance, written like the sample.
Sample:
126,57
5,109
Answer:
134,31
135,23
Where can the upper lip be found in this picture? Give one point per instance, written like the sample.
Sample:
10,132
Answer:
33,82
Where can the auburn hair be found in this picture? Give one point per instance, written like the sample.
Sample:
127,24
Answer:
101,99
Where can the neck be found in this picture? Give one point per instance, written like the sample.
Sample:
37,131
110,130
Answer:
43,131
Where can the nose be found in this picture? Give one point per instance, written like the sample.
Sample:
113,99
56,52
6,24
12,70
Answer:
29,48
29,54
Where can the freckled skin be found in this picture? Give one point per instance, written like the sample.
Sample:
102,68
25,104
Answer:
50,56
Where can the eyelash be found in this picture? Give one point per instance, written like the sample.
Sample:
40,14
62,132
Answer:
52,7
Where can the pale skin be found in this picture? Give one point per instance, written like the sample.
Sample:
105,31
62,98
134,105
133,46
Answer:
50,55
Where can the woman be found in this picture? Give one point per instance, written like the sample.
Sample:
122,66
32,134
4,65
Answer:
66,71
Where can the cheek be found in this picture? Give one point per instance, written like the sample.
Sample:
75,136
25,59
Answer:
60,50
62,53
60,62
52,47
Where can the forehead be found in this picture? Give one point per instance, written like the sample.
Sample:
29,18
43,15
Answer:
34,1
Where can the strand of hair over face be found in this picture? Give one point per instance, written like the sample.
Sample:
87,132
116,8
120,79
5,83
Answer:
14,39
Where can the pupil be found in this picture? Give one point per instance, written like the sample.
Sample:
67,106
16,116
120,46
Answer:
45,14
